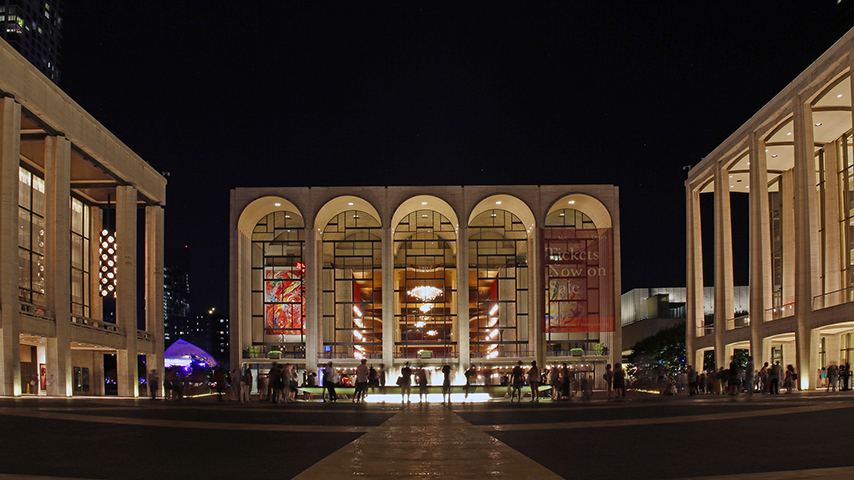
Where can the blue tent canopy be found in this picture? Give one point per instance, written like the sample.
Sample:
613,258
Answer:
181,352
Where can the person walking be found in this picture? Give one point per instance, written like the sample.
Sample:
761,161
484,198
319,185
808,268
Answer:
471,378
153,383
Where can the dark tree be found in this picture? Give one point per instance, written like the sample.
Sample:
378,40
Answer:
665,349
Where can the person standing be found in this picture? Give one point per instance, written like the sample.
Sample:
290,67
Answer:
153,383
361,381
565,383
246,387
693,381
381,374
534,381
609,380
517,380
774,379
554,380
405,383
329,379
373,379
422,385
749,373
832,372
446,383
620,380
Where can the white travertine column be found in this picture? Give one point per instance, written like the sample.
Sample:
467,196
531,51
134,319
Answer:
463,339
10,326
760,246
154,233
807,276
57,153
536,296
694,267
723,262
388,295
313,293
617,339
126,311
240,308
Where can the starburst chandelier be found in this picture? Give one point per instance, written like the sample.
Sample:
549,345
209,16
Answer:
425,293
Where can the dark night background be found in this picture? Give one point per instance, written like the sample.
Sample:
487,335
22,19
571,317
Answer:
273,93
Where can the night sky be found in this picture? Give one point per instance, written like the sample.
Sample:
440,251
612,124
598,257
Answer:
279,93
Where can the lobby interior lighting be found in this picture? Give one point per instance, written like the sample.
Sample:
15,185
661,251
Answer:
425,293
494,309
432,333
109,260
426,307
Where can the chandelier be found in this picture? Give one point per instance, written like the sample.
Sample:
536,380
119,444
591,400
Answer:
425,293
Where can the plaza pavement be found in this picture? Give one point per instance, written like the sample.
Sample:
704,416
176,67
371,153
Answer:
803,435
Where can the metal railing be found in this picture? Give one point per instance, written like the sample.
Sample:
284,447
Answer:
738,322
783,311
576,352
703,330
432,355
144,335
832,299
350,356
272,352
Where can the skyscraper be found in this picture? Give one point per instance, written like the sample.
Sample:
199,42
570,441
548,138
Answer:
34,28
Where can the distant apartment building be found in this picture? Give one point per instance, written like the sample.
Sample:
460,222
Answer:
34,29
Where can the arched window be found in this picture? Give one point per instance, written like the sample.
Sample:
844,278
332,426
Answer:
425,286
498,285
352,286
278,275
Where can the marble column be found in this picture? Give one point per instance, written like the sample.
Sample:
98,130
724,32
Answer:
126,308
57,152
807,277
694,267
154,233
760,246
723,262
313,294
463,339
388,296
10,147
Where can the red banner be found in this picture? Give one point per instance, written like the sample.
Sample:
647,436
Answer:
579,279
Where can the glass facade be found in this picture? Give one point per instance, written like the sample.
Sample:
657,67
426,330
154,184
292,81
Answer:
498,286
425,287
561,343
80,297
352,286
31,237
278,275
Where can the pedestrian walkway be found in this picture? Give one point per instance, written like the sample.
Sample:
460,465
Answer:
426,440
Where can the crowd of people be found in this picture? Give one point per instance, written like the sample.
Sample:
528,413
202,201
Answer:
280,384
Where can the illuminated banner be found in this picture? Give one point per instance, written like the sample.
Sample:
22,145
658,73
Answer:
579,279
284,301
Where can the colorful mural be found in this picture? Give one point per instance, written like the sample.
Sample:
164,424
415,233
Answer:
284,302
579,276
